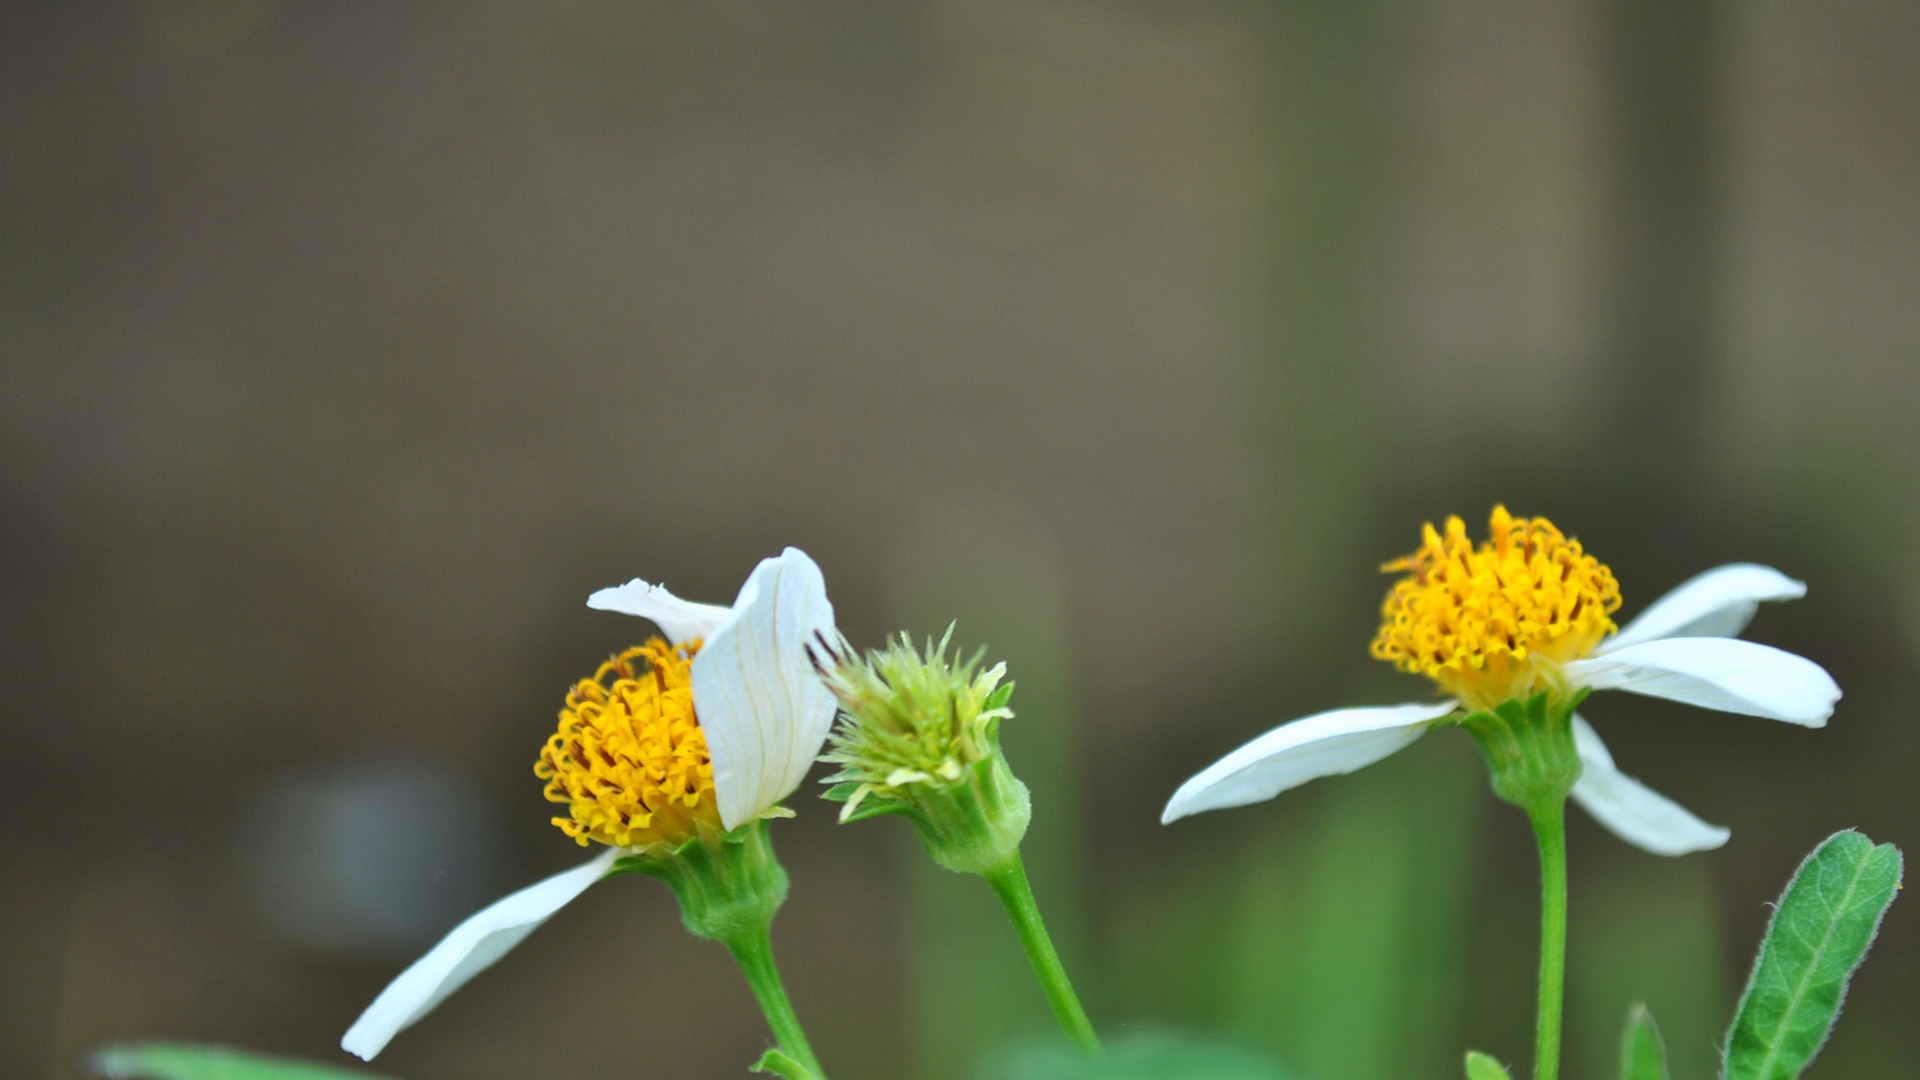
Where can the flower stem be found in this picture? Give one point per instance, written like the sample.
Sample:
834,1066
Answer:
754,950
1009,880
1550,829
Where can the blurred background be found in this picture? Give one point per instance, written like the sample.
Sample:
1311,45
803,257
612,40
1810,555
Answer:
344,348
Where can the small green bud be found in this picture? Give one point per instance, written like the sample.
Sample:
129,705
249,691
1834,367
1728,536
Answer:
919,736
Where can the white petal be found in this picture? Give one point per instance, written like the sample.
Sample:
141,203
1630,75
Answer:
680,620
1718,603
1324,744
469,949
764,711
1717,673
1631,810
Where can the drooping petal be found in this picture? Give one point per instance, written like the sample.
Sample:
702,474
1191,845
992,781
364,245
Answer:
764,711
680,620
466,951
1717,673
1718,603
1324,744
1631,810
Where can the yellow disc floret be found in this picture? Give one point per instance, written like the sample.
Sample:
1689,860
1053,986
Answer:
1493,622
629,757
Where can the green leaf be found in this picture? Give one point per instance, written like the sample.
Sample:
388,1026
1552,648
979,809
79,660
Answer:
1139,1057
186,1061
779,1063
1820,933
1482,1067
1642,1055
840,792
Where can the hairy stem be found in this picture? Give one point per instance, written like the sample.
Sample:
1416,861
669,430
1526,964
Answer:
1009,880
754,950
1550,829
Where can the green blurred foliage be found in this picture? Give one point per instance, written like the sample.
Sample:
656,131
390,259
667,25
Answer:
1136,1057
186,1061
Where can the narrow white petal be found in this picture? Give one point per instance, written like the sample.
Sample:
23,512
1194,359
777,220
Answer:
1717,673
466,951
1718,603
680,620
764,711
1631,810
1324,744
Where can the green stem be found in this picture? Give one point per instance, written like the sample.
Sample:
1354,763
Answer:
1009,880
1550,829
754,950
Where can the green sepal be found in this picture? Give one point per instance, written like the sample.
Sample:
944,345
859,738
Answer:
872,808
192,1061
1529,747
867,807
727,885
781,1064
972,825
1642,1055
1483,1067
1820,933
999,698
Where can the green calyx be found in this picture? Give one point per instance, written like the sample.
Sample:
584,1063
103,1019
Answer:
729,886
971,825
1529,748
919,736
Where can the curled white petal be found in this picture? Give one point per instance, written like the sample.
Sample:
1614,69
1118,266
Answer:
1717,673
466,951
764,711
1717,603
1631,810
680,620
1324,744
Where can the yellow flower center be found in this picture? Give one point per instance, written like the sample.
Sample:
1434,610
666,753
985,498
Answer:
1491,623
629,757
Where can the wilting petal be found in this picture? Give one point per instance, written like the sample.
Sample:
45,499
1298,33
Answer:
1324,744
680,620
1717,673
1631,810
764,711
1718,603
469,949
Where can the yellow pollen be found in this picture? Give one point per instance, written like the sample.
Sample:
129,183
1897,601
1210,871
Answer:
629,756
1491,623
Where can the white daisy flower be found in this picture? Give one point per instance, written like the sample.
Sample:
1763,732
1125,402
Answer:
1528,611
728,702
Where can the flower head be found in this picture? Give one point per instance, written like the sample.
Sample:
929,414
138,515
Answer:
669,756
630,760
911,719
1519,630
1491,623
761,710
919,736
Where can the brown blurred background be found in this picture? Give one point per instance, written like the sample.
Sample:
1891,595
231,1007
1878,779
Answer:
347,347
